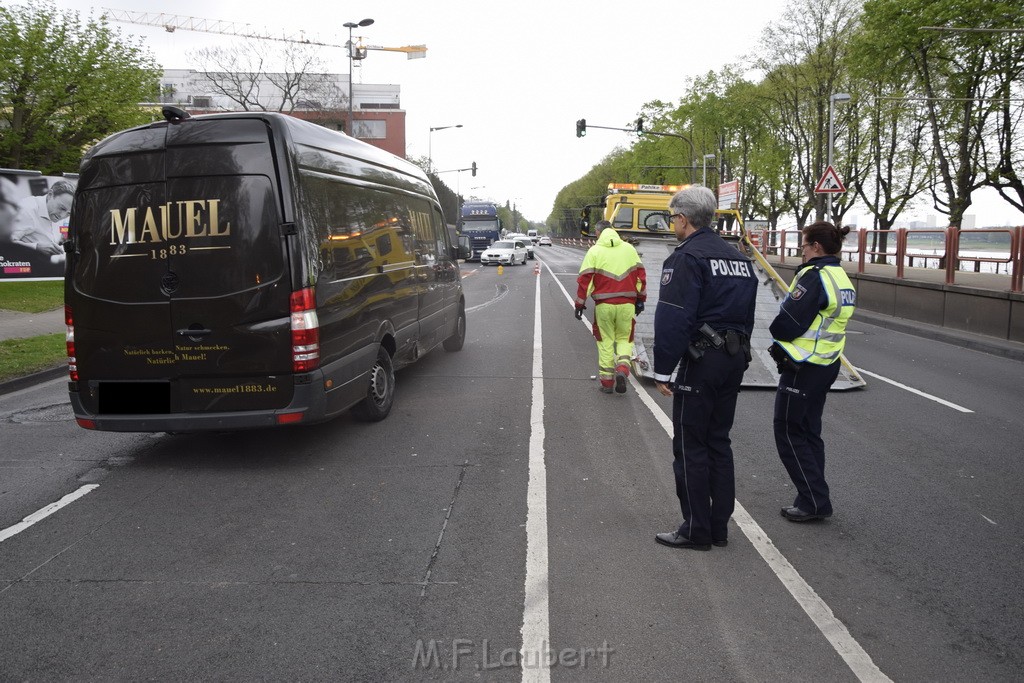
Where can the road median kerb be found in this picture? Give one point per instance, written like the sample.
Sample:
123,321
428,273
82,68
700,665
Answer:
13,384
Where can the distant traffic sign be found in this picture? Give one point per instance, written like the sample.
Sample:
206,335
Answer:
729,195
830,183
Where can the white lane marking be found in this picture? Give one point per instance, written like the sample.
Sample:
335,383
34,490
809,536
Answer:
820,613
832,628
45,512
845,645
569,297
500,292
536,624
834,631
912,390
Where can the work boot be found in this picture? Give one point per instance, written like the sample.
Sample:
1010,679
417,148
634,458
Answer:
606,386
620,380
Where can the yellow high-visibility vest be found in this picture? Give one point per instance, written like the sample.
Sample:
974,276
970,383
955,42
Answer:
824,340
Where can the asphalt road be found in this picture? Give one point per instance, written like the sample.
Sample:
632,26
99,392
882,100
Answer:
411,549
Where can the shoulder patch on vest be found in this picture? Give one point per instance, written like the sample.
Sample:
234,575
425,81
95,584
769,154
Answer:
797,293
666,276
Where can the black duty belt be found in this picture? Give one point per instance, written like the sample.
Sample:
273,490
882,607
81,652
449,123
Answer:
733,339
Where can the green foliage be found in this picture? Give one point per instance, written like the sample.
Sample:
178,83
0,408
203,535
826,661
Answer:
65,84
20,357
31,297
933,114
564,217
960,75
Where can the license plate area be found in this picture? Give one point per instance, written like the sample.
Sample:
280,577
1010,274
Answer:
133,398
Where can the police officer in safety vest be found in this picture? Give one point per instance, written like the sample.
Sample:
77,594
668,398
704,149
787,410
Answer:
809,334
702,326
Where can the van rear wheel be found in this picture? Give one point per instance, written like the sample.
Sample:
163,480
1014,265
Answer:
458,338
380,396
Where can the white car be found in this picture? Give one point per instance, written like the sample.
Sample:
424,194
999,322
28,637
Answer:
544,241
507,252
518,236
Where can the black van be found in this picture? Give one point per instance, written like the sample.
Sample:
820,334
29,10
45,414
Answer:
250,269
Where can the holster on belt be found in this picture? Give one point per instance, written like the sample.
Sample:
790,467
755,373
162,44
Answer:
736,342
731,340
782,360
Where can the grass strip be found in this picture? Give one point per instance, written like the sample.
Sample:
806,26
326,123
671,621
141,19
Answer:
20,357
31,297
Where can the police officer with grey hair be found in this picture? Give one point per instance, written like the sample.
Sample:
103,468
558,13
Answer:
702,328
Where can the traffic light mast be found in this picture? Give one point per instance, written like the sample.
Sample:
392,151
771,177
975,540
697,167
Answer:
638,128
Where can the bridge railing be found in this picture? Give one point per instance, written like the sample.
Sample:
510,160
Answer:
995,250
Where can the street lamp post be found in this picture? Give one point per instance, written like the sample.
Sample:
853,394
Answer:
704,169
430,143
833,98
351,55
515,221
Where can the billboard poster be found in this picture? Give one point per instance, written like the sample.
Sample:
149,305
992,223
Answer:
34,211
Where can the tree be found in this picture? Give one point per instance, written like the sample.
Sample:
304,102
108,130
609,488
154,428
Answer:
805,63
588,190
1002,153
892,136
957,75
239,72
65,84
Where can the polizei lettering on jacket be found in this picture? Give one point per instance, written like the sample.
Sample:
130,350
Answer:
171,221
721,266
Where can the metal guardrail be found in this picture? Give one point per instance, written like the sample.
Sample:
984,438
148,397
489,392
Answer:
873,246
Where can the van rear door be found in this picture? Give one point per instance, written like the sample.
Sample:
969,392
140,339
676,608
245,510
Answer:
180,282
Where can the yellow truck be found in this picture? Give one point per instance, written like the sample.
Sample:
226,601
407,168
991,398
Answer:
635,207
639,213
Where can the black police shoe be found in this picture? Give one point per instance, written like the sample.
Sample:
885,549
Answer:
673,539
795,514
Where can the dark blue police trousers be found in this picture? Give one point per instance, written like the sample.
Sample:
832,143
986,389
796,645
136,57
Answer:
799,404
703,407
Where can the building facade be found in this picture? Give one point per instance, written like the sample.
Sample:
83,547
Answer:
377,115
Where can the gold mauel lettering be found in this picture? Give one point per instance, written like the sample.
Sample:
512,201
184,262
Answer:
122,230
192,210
215,229
150,231
189,218
171,229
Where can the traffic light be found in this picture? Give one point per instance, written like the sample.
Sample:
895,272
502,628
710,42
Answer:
473,169
581,128
640,126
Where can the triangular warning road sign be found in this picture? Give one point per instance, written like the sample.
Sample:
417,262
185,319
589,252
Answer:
830,183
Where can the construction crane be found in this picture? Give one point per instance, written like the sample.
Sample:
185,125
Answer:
173,22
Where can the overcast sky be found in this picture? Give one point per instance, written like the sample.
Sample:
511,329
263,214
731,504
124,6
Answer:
517,75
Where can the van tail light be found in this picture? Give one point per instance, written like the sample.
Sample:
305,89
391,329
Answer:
70,342
305,331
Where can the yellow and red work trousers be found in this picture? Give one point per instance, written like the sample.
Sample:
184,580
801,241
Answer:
613,330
